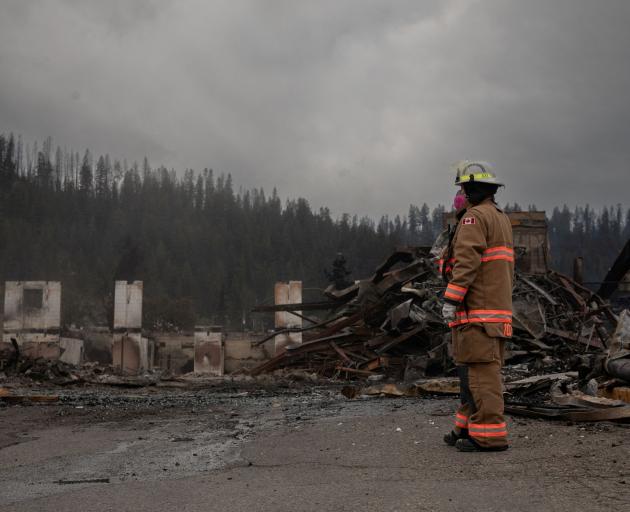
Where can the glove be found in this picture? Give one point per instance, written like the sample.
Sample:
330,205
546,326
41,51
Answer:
448,312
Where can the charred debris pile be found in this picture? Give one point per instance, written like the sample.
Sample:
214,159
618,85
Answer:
389,328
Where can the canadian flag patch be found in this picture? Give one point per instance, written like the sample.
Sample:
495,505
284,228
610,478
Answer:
468,220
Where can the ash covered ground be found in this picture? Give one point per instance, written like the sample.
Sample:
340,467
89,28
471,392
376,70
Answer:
286,445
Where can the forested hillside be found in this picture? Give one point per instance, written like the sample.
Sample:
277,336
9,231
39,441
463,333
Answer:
208,252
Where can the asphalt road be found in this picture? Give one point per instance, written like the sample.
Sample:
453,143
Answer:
297,451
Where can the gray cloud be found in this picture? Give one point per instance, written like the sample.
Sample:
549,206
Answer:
360,105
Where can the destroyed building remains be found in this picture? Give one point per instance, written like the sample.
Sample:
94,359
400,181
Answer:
389,327
384,323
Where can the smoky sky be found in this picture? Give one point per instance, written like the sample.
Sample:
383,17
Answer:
359,105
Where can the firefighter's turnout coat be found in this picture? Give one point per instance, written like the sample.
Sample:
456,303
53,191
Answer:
480,269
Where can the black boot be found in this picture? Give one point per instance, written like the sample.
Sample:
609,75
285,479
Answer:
451,438
468,445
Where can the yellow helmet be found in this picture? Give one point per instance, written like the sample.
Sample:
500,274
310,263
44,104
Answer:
469,171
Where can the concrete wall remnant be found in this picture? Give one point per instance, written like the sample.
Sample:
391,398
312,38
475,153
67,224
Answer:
531,241
242,351
174,352
128,305
209,351
44,349
178,352
97,344
287,293
131,353
32,311
71,351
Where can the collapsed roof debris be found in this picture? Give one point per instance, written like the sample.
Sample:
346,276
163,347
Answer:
389,326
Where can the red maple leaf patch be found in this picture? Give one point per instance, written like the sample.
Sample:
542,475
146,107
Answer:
468,220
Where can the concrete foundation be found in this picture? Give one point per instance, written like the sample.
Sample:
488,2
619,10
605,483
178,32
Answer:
242,353
174,352
209,352
131,353
185,353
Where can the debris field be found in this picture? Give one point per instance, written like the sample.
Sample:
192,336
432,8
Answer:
566,359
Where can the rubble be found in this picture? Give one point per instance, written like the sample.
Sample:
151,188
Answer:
569,357
618,363
391,323
447,386
25,371
390,326
41,369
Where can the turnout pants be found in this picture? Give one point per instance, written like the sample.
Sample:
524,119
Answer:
479,358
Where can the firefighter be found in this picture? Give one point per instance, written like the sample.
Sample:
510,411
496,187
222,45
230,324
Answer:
479,268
